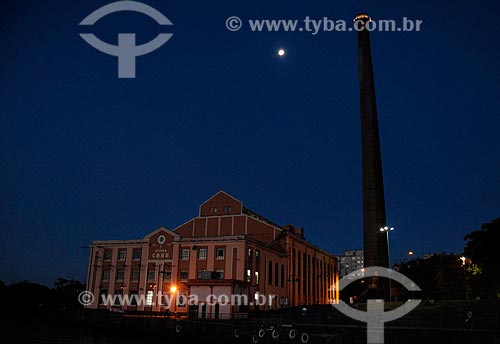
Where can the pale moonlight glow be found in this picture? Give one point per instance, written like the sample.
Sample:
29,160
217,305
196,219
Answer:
281,52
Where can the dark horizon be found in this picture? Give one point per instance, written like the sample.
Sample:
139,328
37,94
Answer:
87,156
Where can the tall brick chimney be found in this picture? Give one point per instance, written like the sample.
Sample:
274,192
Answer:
375,242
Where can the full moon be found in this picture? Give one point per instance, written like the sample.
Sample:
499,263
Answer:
281,52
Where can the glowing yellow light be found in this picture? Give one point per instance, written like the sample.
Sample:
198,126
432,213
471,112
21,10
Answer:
362,16
173,289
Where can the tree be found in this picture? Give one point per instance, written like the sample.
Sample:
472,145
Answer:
66,293
483,248
439,276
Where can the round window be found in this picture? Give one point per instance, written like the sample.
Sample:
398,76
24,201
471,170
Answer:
161,239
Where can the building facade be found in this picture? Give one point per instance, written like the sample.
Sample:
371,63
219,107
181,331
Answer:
222,263
352,260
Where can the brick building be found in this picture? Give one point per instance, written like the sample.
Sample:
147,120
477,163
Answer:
226,250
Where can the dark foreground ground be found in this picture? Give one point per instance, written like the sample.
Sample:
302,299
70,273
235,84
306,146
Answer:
442,322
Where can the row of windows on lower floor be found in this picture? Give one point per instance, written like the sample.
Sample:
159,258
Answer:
276,275
166,275
202,252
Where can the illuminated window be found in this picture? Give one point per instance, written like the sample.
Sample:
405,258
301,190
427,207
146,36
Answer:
256,277
149,298
202,253
249,275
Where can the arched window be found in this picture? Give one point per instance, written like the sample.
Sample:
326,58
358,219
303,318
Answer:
282,275
270,273
276,272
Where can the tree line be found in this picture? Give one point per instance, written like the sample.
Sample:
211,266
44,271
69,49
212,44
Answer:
474,274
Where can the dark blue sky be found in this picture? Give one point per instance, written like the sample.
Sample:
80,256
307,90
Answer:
85,155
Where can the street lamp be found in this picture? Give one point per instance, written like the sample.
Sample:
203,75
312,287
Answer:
411,253
388,229
464,260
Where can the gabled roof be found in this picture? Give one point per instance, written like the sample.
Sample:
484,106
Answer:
175,235
218,193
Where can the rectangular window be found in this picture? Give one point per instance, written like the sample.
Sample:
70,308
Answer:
107,254
135,275
202,253
118,297
103,296
185,254
256,277
149,298
249,275
201,275
219,274
249,258
184,274
167,275
219,253
122,254
105,275
181,300
137,254
133,298
120,275
151,275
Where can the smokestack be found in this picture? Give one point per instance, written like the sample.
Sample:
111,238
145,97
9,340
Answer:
375,242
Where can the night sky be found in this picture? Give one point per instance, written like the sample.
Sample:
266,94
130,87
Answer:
87,156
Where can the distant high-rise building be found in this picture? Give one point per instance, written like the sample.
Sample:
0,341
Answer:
352,260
